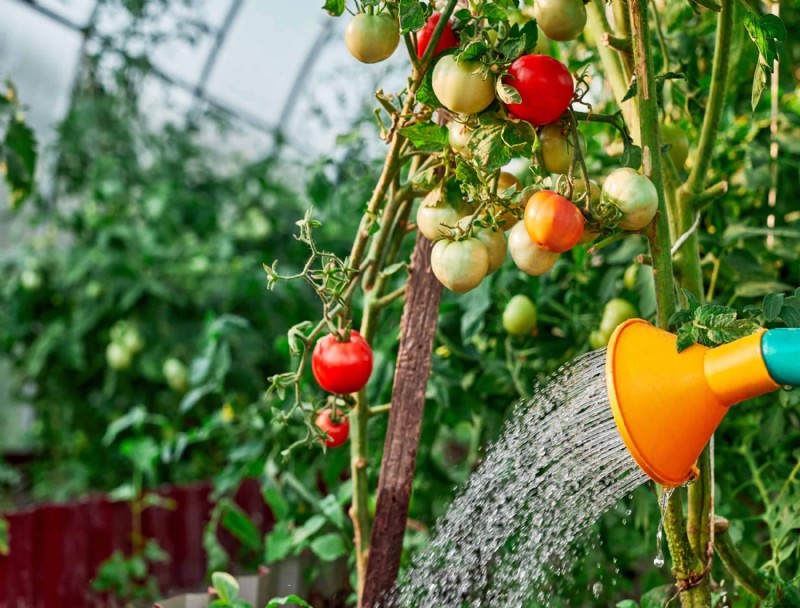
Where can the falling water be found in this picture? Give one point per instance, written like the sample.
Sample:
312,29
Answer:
558,466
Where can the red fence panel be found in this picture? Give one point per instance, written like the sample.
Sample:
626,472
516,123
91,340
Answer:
55,550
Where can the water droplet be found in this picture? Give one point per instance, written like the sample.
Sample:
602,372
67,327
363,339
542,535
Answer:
597,589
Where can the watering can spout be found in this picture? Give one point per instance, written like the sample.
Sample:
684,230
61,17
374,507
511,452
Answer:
667,405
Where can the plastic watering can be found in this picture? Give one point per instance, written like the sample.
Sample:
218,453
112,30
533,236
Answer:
667,405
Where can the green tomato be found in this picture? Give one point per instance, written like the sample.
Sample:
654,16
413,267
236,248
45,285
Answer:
494,241
557,148
372,38
118,357
132,340
459,135
527,255
634,195
560,20
176,375
30,279
460,265
461,87
678,142
434,215
617,311
631,274
519,316
598,339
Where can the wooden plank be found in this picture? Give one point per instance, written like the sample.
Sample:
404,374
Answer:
417,329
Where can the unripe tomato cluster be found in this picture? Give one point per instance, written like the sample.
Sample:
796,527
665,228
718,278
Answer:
616,312
341,365
126,343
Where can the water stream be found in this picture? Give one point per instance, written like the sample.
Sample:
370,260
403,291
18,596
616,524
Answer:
558,466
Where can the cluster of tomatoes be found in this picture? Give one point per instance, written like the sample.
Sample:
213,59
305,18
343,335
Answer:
471,239
341,364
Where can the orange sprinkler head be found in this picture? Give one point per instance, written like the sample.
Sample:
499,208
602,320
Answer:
667,405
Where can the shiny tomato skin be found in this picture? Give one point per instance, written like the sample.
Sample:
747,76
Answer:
634,195
462,87
527,255
560,20
553,222
372,38
545,86
448,39
460,265
338,432
342,367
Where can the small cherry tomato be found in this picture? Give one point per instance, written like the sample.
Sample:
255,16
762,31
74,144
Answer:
118,357
342,367
527,255
460,265
545,86
434,215
630,276
557,148
552,222
461,86
448,39
30,279
560,20
616,311
634,195
176,375
338,430
519,316
494,241
372,38
459,135
598,339
678,142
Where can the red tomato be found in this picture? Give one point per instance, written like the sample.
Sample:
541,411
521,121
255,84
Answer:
342,367
338,432
448,39
552,222
545,86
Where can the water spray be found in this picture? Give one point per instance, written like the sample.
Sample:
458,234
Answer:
667,405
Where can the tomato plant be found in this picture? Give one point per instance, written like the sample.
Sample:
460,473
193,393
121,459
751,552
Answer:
678,142
335,426
553,222
342,365
545,88
372,38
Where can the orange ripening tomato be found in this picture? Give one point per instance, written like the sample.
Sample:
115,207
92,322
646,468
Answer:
553,222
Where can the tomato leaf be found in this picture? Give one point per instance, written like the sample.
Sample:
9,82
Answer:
225,585
506,93
329,547
427,136
19,153
412,16
236,521
334,7
766,31
474,50
710,325
289,599
425,94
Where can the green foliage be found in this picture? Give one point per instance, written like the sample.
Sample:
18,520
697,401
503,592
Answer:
710,324
18,147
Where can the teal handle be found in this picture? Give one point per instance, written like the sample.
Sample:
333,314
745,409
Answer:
781,351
